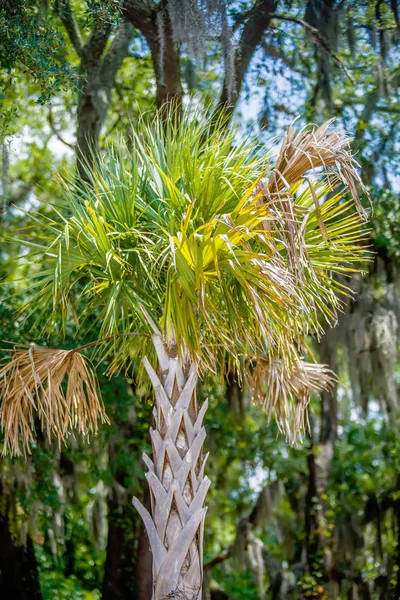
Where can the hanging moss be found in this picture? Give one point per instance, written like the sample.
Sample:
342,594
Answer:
196,23
369,332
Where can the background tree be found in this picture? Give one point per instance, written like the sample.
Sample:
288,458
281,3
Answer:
281,82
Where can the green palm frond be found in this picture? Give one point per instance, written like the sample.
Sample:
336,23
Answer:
199,232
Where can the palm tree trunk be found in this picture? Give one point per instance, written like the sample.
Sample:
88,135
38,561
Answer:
176,479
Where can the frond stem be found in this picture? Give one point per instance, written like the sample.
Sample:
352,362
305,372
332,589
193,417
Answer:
106,339
94,343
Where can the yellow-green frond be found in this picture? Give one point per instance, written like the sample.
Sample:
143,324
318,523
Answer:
200,232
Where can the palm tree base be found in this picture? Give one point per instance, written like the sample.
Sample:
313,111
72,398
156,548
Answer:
176,479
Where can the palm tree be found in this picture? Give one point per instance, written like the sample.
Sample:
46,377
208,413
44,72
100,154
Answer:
196,250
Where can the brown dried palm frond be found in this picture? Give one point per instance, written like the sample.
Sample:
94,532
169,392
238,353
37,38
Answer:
311,149
58,388
284,389
322,160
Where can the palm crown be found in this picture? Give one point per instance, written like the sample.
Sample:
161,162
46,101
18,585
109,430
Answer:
192,232
227,259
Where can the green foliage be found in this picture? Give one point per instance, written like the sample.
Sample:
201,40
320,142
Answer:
31,40
386,224
237,584
54,586
176,234
102,11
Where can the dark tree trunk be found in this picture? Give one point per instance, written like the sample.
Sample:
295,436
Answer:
311,513
257,23
119,573
19,577
235,396
319,462
119,568
166,67
99,70
90,114
149,18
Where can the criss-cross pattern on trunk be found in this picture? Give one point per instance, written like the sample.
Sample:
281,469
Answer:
176,478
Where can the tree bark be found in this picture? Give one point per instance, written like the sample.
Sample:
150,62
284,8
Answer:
176,479
98,68
100,73
319,460
154,23
19,577
235,395
257,22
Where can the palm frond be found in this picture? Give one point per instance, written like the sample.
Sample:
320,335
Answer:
57,389
227,254
314,163
314,148
283,389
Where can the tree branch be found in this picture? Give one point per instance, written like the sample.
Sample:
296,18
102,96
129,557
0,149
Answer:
383,28
65,13
259,18
319,39
115,54
143,15
240,19
389,109
94,47
217,560
55,131
274,52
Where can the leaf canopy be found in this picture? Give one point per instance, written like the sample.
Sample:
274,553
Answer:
199,234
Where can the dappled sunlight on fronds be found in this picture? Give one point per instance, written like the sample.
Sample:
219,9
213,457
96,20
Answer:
56,389
198,232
